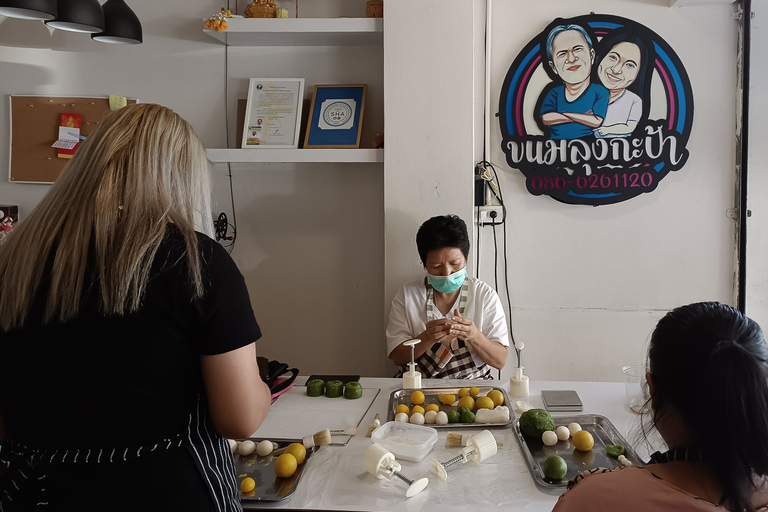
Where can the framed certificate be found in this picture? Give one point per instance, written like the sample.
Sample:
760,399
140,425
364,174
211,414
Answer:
273,113
336,116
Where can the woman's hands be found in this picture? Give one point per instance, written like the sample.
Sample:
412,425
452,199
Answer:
494,354
445,331
463,328
437,331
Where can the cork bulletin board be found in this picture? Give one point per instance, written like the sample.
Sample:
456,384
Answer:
34,128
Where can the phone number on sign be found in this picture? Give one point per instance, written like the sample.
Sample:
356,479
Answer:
594,181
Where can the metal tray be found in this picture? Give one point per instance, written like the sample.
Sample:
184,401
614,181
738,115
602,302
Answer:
403,396
602,431
262,469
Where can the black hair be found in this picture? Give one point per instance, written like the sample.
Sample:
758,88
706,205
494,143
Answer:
642,82
440,232
709,363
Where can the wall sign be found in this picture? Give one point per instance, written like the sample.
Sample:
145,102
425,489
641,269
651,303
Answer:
595,110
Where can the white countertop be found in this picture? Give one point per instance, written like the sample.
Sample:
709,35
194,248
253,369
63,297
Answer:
334,478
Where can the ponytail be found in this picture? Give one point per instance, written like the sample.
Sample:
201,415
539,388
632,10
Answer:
734,440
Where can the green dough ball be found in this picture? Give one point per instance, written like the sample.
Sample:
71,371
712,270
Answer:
535,422
467,417
453,417
334,388
555,467
353,390
462,410
315,387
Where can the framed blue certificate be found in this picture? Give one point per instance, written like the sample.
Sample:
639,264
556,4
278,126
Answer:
336,116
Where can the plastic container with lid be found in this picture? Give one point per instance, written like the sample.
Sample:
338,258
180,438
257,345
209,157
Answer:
405,440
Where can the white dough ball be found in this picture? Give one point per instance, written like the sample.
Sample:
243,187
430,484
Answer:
417,418
573,428
232,445
549,438
264,448
429,417
246,447
441,418
401,416
563,433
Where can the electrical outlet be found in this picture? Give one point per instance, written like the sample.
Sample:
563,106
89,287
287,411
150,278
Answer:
485,216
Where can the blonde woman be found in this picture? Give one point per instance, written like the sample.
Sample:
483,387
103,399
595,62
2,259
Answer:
126,333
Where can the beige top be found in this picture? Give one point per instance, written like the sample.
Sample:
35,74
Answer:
629,490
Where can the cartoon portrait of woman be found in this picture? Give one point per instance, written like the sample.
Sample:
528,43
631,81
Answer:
622,68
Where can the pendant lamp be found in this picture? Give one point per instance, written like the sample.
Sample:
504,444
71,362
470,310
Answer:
78,16
28,9
121,25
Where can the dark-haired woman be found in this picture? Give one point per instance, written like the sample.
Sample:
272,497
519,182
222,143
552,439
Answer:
708,382
459,319
622,70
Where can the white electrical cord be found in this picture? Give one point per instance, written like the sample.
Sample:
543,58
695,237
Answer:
487,102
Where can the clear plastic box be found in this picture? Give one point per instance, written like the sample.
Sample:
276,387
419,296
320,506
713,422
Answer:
406,441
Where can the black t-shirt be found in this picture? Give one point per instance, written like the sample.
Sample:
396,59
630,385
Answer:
99,381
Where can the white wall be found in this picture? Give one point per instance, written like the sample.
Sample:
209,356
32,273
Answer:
310,238
757,225
429,69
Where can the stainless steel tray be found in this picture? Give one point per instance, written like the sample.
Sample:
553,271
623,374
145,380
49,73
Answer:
602,431
262,469
403,396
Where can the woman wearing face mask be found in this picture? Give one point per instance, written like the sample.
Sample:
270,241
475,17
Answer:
622,70
459,319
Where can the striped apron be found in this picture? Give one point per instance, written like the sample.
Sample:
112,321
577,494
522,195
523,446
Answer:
23,468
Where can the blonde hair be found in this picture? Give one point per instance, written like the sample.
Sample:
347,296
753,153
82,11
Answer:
142,168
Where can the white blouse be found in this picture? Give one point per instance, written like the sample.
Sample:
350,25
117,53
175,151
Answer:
408,316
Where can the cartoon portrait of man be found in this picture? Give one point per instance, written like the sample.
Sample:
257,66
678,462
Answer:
572,110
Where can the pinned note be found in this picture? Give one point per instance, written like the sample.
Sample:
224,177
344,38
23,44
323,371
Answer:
69,135
117,102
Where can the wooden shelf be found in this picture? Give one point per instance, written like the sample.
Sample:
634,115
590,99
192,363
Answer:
301,32
272,155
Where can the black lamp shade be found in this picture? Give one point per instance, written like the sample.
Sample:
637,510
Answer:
78,16
122,26
28,9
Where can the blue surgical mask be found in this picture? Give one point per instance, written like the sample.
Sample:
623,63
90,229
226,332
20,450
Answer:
448,284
